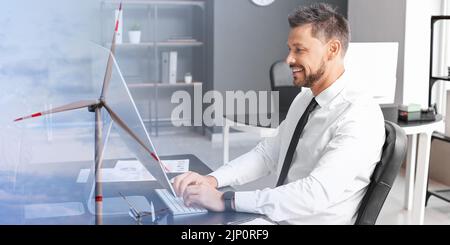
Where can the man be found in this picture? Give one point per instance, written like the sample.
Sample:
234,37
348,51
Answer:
326,149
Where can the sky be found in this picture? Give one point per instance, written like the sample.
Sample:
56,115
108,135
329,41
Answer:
47,52
43,53
50,56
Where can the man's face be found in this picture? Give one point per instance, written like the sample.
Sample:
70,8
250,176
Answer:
306,56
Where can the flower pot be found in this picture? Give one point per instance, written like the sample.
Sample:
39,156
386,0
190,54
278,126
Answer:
134,36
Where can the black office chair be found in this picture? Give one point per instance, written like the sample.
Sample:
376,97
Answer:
394,152
281,80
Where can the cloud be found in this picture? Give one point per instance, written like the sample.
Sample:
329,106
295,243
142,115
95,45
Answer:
35,69
8,197
45,61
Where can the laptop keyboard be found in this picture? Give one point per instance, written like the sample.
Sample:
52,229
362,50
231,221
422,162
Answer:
176,204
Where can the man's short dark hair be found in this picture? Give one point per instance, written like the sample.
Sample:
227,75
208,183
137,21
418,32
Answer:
325,21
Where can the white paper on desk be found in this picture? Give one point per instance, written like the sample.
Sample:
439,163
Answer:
257,221
177,166
124,171
49,210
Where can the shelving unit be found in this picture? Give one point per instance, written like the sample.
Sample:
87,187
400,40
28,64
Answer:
168,25
160,2
152,85
159,44
441,194
433,78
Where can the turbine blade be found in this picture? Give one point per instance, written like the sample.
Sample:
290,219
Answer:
108,71
68,107
130,132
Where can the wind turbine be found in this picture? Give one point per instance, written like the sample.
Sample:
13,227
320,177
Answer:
96,106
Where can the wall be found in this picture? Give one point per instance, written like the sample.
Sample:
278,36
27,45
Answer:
406,22
247,39
380,21
417,48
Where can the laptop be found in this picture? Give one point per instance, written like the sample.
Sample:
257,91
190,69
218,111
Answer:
122,103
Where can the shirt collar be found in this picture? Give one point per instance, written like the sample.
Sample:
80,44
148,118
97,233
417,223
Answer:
326,96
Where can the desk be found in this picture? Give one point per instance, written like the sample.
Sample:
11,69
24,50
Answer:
56,183
419,142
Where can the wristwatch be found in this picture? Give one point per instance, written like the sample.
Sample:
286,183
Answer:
228,198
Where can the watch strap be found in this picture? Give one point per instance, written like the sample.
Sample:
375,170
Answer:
228,198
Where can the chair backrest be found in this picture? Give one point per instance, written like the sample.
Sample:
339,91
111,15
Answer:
393,155
281,80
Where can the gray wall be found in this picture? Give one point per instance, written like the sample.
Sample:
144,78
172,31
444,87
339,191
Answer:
380,21
248,39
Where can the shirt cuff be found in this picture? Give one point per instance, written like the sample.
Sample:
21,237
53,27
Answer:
221,178
245,201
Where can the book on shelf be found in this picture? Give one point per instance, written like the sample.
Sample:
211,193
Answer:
169,67
173,62
182,39
165,67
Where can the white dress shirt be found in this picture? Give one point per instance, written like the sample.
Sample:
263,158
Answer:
331,168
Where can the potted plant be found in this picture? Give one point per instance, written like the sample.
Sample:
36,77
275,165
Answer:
188,78
135,34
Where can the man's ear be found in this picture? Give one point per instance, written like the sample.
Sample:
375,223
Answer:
334,49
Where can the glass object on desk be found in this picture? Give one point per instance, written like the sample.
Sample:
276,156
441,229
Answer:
152,216
138,215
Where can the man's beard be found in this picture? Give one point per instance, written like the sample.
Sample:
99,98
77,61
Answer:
314,78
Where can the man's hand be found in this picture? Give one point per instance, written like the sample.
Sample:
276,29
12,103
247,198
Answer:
205,196
181,182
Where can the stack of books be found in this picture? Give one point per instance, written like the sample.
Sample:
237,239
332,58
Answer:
409,112
414,113
182,39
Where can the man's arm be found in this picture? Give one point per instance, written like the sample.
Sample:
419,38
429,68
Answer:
257,163
250,166
344,168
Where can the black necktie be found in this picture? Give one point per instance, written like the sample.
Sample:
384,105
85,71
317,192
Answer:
294,141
